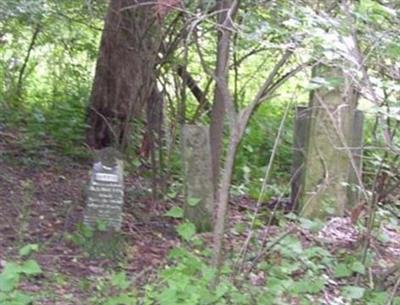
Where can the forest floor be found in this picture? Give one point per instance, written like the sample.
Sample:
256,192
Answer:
42,198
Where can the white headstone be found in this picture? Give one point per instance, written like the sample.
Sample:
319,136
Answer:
105,196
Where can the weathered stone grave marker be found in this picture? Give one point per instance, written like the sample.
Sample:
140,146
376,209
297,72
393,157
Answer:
332,143
198,176
105,193
299,138
300,132
357,140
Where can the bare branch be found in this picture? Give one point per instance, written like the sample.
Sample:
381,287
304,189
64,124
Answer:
193,86
246,113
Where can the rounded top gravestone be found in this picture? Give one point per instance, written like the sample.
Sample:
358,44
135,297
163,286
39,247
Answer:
108,156
106,190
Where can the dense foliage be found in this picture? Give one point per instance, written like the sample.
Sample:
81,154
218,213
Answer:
48,53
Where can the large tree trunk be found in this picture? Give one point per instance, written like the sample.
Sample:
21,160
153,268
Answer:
125,72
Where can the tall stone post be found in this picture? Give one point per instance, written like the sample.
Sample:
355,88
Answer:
199,188
328,146
355,172
299,138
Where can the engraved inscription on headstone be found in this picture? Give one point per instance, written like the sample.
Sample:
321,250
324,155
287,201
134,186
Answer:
106,177
105,195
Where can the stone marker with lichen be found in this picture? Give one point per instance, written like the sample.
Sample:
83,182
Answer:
328,146
105,192
198,176
355,169
355,172
299,137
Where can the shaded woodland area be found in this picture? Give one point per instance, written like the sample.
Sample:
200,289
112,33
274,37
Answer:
199,152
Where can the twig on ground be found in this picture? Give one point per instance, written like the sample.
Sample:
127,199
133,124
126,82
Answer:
393,294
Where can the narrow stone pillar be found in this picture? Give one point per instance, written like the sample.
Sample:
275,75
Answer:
198,176
298,163
299,139
355,172
328,146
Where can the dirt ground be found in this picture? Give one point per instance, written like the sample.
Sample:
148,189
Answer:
42,198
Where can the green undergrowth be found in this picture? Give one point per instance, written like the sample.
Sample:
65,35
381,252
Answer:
14,272
99,242
288,273
290,270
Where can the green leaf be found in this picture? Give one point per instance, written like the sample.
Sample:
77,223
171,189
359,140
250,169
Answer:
28,249
311,225
193,201
30,267
308,285
393,50
9,278
358,267
86,231
8,281
208,273
120,281
290,246
304,301
175,212
177,253
168,296
239,228
342,270
222,288
376,297
353,292
101,225
316,251
186,230
172,194
382,237
19,298
123,299
11,268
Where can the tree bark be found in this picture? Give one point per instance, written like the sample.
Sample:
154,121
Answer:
221,75
194,87
223,199
26,60
125,72
237,124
